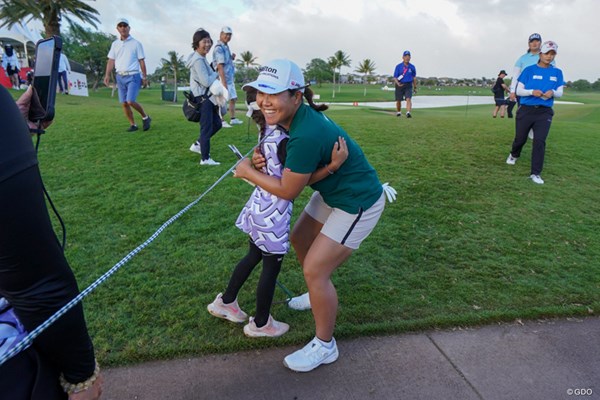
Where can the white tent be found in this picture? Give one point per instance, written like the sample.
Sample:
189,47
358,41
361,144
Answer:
22,38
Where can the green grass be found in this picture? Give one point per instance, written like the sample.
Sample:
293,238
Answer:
469,241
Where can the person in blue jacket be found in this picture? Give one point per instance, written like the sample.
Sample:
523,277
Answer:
538,86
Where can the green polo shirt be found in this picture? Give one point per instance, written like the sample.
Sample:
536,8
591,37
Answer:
312,136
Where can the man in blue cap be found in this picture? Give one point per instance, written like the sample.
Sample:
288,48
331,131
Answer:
405,79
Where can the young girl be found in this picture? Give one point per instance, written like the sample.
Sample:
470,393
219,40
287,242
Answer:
266,219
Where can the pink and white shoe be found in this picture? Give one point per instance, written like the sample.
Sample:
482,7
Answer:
231,312
271,329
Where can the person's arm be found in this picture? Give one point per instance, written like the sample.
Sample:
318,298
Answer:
110,65
396,77
558,92
521,91
414,70
206,76
288,187
143,68
339,154
513,83
219,58
221,72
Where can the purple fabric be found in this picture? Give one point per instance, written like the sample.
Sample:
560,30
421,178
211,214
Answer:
265,217
11,329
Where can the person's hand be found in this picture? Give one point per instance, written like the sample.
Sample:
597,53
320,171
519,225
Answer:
243,168
107,80
537,93
24,102
548,94
512,96
339,154
92,393
390,192
258,160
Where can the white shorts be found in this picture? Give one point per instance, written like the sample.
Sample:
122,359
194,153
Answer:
345,228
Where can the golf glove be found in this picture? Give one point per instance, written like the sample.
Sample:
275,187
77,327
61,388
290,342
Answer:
390,192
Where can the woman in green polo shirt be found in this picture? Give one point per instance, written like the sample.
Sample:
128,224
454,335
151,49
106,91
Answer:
341,213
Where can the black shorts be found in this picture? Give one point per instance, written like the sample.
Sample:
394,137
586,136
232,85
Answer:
500,102
11,71
404,92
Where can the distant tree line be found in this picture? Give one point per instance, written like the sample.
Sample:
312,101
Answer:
90,49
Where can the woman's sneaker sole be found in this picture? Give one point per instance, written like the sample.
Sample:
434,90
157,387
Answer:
331,359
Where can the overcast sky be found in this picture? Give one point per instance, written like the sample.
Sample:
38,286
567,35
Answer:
447,38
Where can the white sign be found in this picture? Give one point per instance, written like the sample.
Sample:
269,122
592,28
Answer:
77,84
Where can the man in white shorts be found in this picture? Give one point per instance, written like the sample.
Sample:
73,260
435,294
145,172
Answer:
223,63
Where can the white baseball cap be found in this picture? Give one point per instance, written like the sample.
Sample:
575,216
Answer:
226,29
548,46
122,21
277,76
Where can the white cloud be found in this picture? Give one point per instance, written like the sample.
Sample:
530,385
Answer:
457,38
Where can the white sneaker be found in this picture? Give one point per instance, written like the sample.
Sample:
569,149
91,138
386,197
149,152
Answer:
209,161
537,179
300,303
271,329
195,147
225,124
231,312
311,356
235,121
511,160
530,134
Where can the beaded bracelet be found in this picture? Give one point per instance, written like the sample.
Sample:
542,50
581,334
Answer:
71,388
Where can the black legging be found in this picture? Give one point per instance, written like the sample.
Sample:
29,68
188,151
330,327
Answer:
266,284
35,277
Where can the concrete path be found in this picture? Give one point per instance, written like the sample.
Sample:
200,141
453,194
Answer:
554,359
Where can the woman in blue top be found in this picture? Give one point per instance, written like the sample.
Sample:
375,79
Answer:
341,213
538,85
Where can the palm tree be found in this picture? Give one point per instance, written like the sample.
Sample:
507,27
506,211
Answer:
343,60
50,12
246,61
333,64
366,67
171,65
